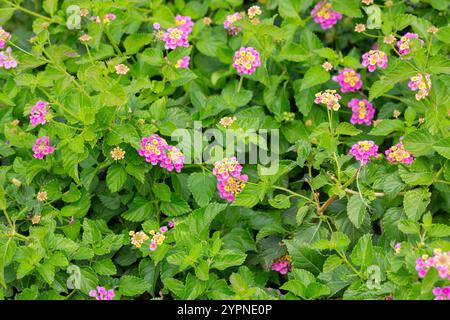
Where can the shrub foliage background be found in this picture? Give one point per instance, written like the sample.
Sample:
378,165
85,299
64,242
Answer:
339,231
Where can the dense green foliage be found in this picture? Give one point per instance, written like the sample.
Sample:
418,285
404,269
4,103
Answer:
337,221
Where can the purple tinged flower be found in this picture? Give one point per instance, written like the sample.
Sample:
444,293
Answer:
156,26
175,37
4,36
38,113
102,294
156,151
398,154
171,224
230,182
153,245
362,150
417,83
374,59
349,80
7,61
42,147
246,60
183,62
363,111
163,229
228,23
403,44
324,15
184,23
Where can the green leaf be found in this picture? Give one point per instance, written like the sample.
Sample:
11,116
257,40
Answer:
140,210
316,289
136,41
314,76
409,227
415,203
132,286
176,207
50,6
438,230
250,196
304,257
331,263
104,267
116,177
362,254
280,201
356,210
348,129
394,75
386,127
443,147
203,186
228,258
152,56
419,142
162,191
348,7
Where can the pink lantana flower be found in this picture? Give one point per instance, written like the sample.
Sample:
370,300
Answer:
246,60
175,37
329,98
398,154
374,59
228,23
102,294
184,23
363,111
38,113
42,147
363,150
404,44
349,80
324,15
7,61
183,62
230,182
417,83
4,36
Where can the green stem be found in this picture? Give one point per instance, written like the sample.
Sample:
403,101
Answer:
89,53
294,193
18,7
240,84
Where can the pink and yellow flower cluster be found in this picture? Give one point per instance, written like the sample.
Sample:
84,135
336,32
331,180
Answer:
363,111
398,154
324,15
184,23
175,37
42,147
38,113
228,23
374,59
363,150
156,151
7,61
158,237
329,98
246,60
441,293
230,182
349,80
440,261
404,45
418,84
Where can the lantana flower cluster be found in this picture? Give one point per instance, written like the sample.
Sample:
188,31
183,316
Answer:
282,264
403,44
100,293
230,182
324,15
38,113
107,18
7,61
441,293
329,98
363,150
156,151
363,111
184,23
398,154
42,147
183,62
440,261
417,83
228,23
175,37
374,59
246,60
349,80
157,237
